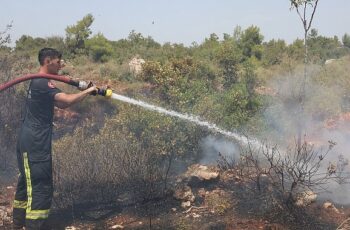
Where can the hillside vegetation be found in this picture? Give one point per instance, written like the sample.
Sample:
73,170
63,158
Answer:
104,149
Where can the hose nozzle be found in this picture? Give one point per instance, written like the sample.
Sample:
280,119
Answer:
105,92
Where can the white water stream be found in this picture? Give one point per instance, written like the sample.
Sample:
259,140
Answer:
194,119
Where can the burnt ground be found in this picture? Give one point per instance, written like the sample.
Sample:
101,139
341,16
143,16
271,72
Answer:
223,204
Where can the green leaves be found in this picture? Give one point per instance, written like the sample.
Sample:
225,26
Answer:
346,40
99,48
77,34
297,3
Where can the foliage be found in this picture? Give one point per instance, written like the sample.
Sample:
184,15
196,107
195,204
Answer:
234,106
208,49
177,82
250,42
134,152
296,50
323,48
163,135
5,37
229,58
131,153
28,45
273,52
346,40
10,108
76,35
99,48
285,179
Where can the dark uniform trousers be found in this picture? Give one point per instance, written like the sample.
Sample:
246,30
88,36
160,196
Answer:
34,193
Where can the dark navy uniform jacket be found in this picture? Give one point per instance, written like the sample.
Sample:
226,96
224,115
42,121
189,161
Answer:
36,131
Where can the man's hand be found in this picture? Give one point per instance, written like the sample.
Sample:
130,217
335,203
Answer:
91,89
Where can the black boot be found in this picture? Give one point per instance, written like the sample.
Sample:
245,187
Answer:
19,215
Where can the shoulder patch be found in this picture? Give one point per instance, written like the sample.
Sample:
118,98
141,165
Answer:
51,85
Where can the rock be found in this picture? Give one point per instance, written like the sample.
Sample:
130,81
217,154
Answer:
186,204
327,205
329,61
3,214
202,172
9,211
70,228
195,215
305,198
135,65
197,175
330,206
117,226
184,193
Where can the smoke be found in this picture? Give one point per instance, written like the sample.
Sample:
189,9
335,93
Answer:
319,116
336,192
211,147
287,112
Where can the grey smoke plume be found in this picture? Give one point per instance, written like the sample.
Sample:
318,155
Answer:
211,147
284,114
321,103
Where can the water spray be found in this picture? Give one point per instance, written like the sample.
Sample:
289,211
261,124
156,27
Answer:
194,119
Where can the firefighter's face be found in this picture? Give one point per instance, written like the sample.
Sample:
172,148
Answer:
53,65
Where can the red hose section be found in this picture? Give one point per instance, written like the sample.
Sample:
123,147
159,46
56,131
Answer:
27,77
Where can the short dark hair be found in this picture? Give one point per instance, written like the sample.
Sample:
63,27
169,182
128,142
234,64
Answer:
48,52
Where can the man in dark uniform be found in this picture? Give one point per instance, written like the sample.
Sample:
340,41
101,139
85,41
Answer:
35,185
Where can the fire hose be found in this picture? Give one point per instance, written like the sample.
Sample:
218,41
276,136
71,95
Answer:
82,85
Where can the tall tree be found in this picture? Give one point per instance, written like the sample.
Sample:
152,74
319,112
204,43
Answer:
301,7
77,34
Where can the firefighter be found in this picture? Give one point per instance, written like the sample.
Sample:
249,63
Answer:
35,185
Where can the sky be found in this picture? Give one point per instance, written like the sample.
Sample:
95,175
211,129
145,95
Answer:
174,21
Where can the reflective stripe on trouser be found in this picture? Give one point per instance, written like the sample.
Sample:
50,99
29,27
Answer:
32,214
36,193
20,204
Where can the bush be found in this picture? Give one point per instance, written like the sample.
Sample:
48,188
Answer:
99,48
11,106
132,154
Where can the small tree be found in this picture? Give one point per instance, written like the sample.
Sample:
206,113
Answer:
284,176
346,40
250,42
77,34
99,48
